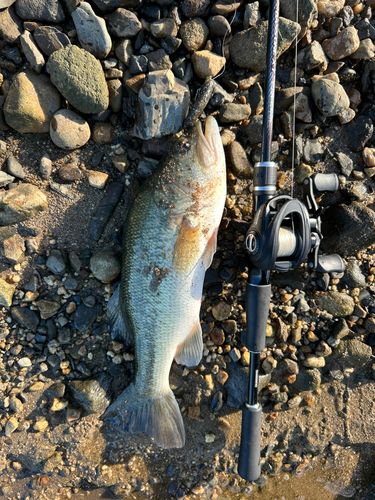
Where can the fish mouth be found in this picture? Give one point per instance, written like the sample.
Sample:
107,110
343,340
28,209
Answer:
209,147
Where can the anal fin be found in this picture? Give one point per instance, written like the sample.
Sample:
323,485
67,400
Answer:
117,324
190,352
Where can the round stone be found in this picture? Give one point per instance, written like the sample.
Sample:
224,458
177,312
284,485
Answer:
68,130
194,33
221,311
207,63
105,266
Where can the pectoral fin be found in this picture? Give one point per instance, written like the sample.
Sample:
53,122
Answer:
187,247
190,352
117,325
210,250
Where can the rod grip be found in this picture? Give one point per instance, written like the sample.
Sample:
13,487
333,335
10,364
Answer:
257,310
249,459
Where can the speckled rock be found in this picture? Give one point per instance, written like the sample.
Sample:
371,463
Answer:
194,33
233,112
192,8
308,380
105,266
21,203
336,303
248,48
30,103
329,97
92,395
352,353
342,45
68,130
6,293
12,245
123,23
80,78
330,8
10,25
92,31
40,10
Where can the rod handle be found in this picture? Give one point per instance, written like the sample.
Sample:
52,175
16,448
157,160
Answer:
249,459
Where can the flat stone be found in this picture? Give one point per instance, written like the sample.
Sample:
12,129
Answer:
70,173
163,27
194,34
342,45
96,179
308,380
207,63
115,90
248,48
31,51
105,266
79,76
91,31
329,97
5,179
233,113
105,209
348,229
47,308
40,10
21,203
6,293
25,317
221,310
92,395
55,262
163,104
85,316
49,39
10,25
31,102
12,245
68,130
238,162
359,132
15,168
352,353
346,163
336,303
123,23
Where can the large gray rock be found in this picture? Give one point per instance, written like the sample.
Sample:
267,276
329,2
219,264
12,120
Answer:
31,103
163,104
329,97
80,79
123,23
347,229
92,31
308,380
352,353
249,48
307,11
21,203
336,303
10,26
49,39
40,10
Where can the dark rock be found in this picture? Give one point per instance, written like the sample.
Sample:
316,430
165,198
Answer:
358,132
192,8
105,209
55,262
238,162
138,64
347,229
92,395
308,380
84,316
40,10
336,303
232,112
49,39
352,353
123,23
254,130
109,5
354,190
25,317
346,163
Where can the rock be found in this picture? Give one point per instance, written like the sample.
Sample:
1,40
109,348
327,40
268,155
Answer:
10,427
302,108
248,48
346,163
105,209
353,276
194,33
313,361
47,308
6,293
352,353
10,25
329,97
138,64
221,310
308,380
105,266
31,103
312,56
347,229
68,130
218,26
21,203
12,246
365,51
5,179
192,8
41,424
102,133
31,51
70,173
97,180
163,28
40,10
85,316
45,167
91,31
330,8
252,16
238,162
15,404
14,168
80,78
123,23
163,105
307,11
49,39
158,60
368,155
55,262
313,151
25,317
115,90
254,129
232,112
355,190
358,132
207,63
342,45
124,50
336,303
92,395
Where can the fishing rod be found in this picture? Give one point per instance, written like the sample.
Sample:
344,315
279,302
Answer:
284,233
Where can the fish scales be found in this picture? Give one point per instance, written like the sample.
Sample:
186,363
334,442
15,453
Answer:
169,240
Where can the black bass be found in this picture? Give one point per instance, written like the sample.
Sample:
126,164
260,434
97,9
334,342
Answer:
169,239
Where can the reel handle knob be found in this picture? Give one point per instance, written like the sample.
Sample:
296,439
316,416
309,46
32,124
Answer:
325,182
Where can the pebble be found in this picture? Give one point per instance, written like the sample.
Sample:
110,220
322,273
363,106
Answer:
49,39
217,336
11,426
342,45
41,424
51,11
105,266
221,310
330,8
123,23
102,133
194,33
222,377
6,293
15,404
233,112
24,362
32,52
207,64
45,167
97,180
329,97
15,168
238,161
55,262
313,361
91,31
68,130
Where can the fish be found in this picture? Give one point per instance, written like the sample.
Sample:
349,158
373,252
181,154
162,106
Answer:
169,239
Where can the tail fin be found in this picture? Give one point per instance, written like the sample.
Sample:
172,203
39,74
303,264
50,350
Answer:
159,417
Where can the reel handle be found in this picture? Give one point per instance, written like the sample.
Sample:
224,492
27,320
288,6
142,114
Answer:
330,264
325,182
